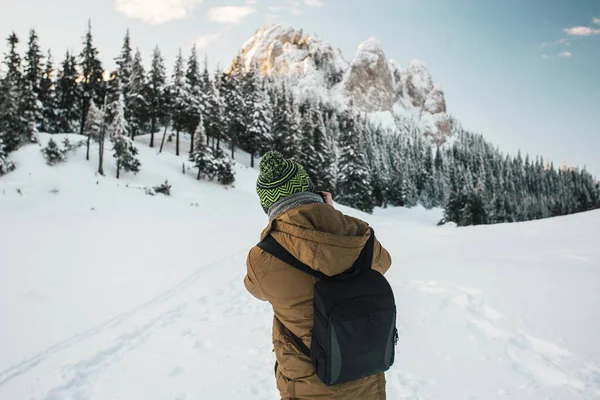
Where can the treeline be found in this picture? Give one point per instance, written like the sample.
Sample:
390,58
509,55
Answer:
81,96
363,164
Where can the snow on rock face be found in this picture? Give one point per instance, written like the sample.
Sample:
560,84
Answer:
281,51
418,82
417,93
370,82
422,91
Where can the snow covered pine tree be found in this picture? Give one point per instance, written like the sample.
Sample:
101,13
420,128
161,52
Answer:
125,152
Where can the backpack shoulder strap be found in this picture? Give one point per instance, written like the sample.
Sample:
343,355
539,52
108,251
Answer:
271,246
365,259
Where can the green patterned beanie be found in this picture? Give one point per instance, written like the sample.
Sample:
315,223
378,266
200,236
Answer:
280,178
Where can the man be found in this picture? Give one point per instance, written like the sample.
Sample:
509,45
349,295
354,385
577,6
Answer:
310,229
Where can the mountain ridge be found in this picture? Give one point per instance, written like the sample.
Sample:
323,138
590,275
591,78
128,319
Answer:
370,82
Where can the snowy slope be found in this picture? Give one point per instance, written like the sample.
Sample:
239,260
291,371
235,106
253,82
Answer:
108,293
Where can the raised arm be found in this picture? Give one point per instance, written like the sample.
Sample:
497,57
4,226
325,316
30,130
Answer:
381,258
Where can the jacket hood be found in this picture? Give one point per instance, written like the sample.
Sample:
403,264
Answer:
320,236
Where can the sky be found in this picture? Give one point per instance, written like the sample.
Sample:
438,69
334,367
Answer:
525,74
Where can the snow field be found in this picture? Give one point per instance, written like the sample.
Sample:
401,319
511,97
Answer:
108,293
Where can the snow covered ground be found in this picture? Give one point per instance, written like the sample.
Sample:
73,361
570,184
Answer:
108,293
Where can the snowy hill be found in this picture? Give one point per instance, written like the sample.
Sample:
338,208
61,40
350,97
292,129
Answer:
108,293
369,81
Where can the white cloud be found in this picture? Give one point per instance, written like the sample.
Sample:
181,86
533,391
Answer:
251,2
156,12
565,54
313,3
597,21
582,31
204,40
546,56
561,42
294,8
230,15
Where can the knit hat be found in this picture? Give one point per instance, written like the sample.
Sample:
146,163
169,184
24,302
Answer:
280,178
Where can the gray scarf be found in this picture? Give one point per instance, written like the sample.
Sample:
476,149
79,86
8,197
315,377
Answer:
291,202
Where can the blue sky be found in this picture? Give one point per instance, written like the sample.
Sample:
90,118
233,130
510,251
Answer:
523,73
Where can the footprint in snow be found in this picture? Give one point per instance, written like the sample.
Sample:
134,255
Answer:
177,371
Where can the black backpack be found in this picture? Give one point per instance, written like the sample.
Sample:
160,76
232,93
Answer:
354,332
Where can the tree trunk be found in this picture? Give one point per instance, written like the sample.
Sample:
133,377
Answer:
101,156
87,152
101,145
199,171
162,143
118,169
232,149
192,143
251,160
218,142
152,129
82,128
83,116
133,134
177,144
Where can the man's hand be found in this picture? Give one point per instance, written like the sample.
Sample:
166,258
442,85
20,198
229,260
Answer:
327,198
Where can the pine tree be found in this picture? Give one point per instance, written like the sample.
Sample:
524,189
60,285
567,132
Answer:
47,97
67,95
354,186
93,124
258,134
137,105
30,112
125,153
476,209
307,139
117,125
295,132
324,155
316,153
214,118
202,155
124,65
32,76
224,168
394,195
12,125
285,129
102,139
179,99
92,85
195,97
53,154
208,90
33,62
156,97
5,165
234,108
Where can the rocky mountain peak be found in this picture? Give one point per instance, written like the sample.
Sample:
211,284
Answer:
370,82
